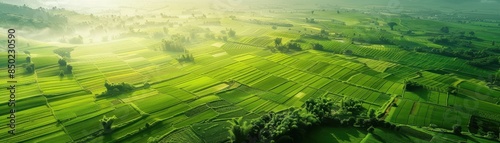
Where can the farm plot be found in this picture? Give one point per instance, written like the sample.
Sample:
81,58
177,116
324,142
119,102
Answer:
236,49
156,103
269,83
198,84
423,114
54,86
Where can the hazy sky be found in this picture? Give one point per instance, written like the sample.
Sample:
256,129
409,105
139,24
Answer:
92,6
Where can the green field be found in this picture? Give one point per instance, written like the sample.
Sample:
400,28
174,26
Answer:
179,71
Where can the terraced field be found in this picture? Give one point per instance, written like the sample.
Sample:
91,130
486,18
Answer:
190,74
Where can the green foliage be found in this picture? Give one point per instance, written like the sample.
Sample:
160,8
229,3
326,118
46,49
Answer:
61,73
106,123
116,89
293,46
310,20
69,68
277,41
30,68
62,62
185,58
352,105
231,33
28,59
172,46
289,124
371,113
457,129
64,52
321,107
413,86
392,24
445,29
370,129
317,46
239,130
24,16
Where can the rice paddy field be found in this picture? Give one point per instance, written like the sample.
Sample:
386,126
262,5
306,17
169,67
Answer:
243,74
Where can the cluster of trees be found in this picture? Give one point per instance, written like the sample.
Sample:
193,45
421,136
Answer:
30,67
172,46
310,20
484,127
292,124
116,89
24,16
63,63
450,40
413,86
64,52
231,33
278,46
185,58
317,46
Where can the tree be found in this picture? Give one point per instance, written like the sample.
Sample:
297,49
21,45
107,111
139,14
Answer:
28,59
30,68
277,41
312,12
106,123
457,129
64,52
370,129
69,68
317,46
294,46
472,33
445,29
492,43
392,24
274,27
61,73
62,62
371,113
231,33
239,130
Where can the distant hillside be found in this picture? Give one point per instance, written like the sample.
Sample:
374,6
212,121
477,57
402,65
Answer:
25,17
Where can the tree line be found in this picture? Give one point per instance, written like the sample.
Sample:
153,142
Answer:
292,124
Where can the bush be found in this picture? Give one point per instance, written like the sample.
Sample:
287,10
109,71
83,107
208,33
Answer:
116,89
62,62
30,68
457,129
